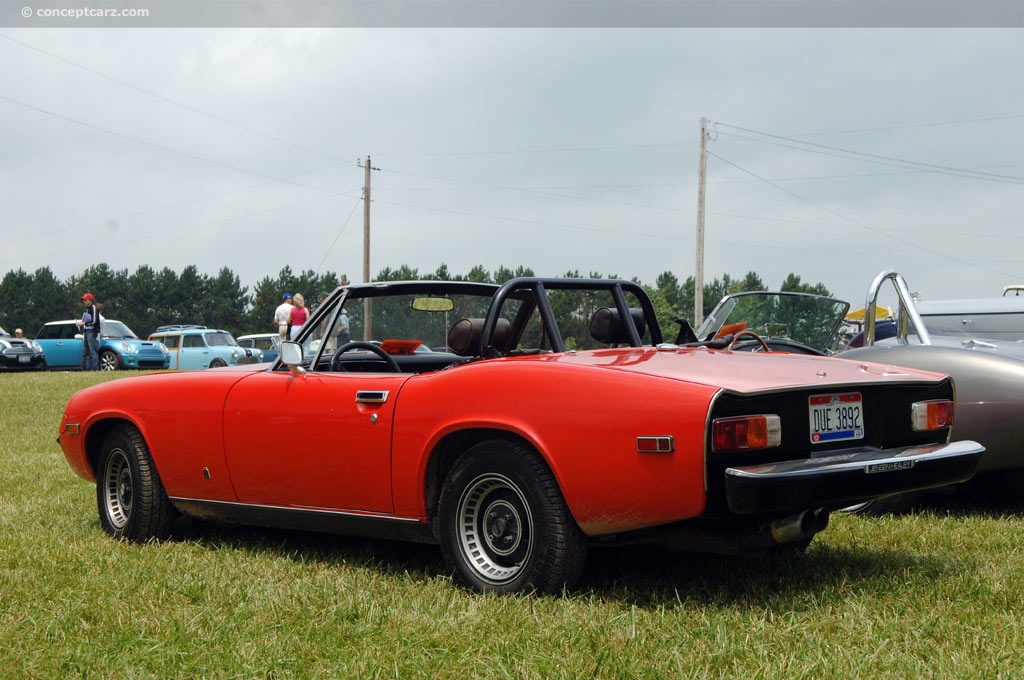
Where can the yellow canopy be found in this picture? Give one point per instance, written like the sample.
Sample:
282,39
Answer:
857,315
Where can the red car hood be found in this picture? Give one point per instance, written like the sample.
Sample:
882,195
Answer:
742,371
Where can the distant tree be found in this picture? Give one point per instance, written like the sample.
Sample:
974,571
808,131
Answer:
792,283
141,311
680,297
403,273
265,299
193,290
146,298
503,274
479,275
110,288
16,302
751,282
665,312
48,300
225,303
169,294
667,284
715,291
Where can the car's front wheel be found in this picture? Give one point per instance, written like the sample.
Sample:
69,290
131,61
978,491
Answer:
218,363
131,498
504,526
109,361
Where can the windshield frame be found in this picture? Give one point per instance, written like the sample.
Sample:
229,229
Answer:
732,307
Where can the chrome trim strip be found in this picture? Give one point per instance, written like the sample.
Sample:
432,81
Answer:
292,508
866,460
660,444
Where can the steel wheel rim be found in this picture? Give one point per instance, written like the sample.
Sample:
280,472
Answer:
495,528
118,489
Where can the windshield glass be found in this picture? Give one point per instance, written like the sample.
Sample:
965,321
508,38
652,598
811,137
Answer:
219,339
407,318
809,320
116,329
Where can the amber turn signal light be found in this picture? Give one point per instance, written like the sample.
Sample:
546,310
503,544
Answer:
746,432
931,415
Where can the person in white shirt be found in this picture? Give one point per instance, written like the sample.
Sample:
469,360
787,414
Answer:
283,315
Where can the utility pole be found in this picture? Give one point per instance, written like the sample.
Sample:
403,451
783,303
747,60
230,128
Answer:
367,307
698,279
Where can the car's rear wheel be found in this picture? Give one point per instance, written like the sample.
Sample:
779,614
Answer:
131,498
109,361
504,525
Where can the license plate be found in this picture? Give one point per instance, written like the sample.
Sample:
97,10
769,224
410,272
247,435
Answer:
24,359
836,417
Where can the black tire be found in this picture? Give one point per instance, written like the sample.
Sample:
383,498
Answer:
218,363
129,494
109,361
504,526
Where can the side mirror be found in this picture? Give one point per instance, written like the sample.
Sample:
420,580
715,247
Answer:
291,353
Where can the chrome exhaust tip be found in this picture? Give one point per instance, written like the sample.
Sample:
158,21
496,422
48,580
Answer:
795,527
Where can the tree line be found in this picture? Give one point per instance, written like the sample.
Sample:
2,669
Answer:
147,298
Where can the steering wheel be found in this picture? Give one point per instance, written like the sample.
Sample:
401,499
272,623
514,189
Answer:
752,334
337,365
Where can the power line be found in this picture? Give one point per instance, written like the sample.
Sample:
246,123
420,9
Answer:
902,162
148,236
170,206
173,102
338,235
857,223
160,147
913,126
540,191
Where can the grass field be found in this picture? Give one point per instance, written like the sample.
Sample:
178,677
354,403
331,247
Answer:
936,594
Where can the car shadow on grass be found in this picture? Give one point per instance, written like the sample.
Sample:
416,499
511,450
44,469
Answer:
652,577
642,576
986,496
418,561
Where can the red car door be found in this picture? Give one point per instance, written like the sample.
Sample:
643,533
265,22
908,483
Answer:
313,440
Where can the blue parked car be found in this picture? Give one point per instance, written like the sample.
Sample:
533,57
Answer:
193,347
119,347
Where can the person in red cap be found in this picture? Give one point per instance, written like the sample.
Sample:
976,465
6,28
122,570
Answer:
90,325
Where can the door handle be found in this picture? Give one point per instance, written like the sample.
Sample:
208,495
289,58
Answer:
372,396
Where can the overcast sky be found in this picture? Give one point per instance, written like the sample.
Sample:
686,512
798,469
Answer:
833,153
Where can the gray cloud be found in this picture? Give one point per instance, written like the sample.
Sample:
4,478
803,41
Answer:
557,149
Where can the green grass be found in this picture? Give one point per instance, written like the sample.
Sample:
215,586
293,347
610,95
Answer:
935,594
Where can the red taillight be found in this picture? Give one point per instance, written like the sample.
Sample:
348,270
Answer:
931,415
746,432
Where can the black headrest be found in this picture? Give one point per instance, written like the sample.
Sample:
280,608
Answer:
607,327
464,337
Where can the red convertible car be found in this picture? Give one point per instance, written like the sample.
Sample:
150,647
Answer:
513,425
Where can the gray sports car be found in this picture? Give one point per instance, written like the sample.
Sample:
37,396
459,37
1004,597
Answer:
989,375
